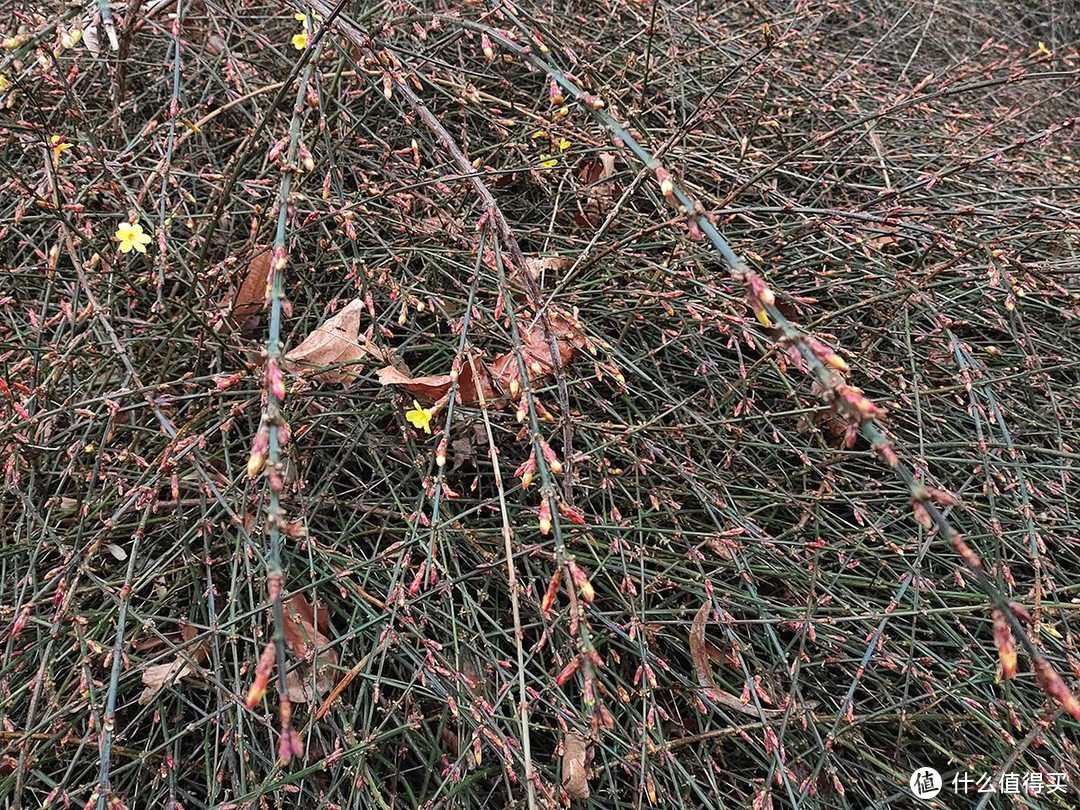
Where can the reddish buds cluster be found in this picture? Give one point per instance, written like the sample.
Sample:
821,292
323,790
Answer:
667,184
289,745
555,93
306,160
527,470
552,460
545,516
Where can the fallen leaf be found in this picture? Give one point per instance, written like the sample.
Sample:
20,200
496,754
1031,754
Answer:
495,379
700,652
536,266
306,631
185,665
335,343
428,388
575,766
437,386
156,677
598,191
249,301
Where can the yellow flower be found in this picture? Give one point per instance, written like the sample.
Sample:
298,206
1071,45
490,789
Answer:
547,161
58,144
563,144
299,41
130,235
419,417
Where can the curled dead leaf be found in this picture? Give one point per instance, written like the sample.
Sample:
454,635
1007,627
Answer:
332,353
428,388
306,634
700,652
156,677
497,379
249,301
575,765
435,387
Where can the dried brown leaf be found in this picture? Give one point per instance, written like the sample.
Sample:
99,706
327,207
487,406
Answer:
437,386
496,378
599,192
575,765
156,677
335,342
429,388
185,665
249,301
700,653
537,266
306,630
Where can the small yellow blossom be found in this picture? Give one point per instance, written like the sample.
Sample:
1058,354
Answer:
58,143
130,235
419,417
299,41
547,161
563,144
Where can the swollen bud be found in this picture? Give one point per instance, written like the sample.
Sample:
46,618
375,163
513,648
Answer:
550,457
545,516
555,94
263,671
581,582
275,380
552,591
306,159
667,185
259,446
